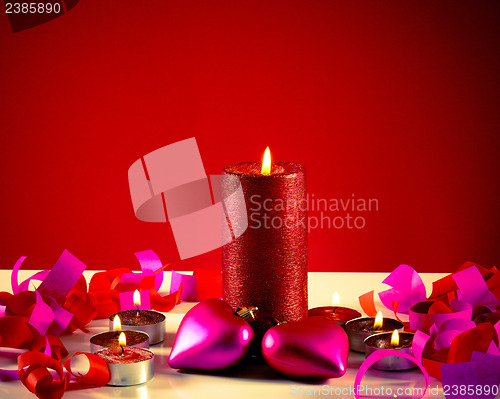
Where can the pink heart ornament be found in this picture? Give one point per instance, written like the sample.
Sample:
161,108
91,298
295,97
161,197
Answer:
315,347
210,337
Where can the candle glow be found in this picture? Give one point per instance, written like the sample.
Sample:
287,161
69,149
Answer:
336,299
378,321
117,324
266,163
137,298
395,338
122,341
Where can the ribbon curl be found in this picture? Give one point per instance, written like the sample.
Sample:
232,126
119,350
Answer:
34,373
460,317
31,321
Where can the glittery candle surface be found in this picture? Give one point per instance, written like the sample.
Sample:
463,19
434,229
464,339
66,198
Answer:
267,265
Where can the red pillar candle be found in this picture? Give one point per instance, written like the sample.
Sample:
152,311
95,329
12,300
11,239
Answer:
266,266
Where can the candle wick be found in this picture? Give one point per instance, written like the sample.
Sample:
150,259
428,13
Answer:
123,350
137,314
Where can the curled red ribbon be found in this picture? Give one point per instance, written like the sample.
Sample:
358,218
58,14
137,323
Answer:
97,375
34,373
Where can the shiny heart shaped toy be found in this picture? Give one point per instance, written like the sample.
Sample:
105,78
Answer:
315,347
210,337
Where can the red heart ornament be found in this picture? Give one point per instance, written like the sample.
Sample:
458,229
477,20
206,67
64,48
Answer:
315,347
210,337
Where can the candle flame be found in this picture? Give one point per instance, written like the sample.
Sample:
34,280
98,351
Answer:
117,324
137,298
395,338
336,299
266,162
379,321
122,340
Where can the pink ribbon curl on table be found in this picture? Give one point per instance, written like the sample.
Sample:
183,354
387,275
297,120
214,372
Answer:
407,289
424,315
447,287
62,302
472,288
31,320
445,333
170,184
418,345
151,265
482,338
471,283
47,308
381,354
16,287
42,315
148,283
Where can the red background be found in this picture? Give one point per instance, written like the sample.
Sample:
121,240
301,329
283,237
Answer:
390,100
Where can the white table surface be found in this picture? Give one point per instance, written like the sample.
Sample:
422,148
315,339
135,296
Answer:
250,380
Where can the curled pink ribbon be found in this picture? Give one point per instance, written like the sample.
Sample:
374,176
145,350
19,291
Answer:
380,354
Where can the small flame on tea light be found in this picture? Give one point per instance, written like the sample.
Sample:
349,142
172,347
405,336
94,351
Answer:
395,338
110,339
361,328
122,341
266,162
336,299
117,324
335,312
379,321
137,300
130,367
147,321
396,341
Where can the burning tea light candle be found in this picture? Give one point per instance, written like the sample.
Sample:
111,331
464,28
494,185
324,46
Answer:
266,266
336,313
128,365
109,339
401,342
147,321
361,328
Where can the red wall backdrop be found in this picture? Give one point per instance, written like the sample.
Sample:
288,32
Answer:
397,101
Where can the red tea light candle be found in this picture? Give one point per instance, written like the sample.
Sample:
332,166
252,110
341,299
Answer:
361,328
336,313
110,339
128,365
266,266
401,342
147,321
